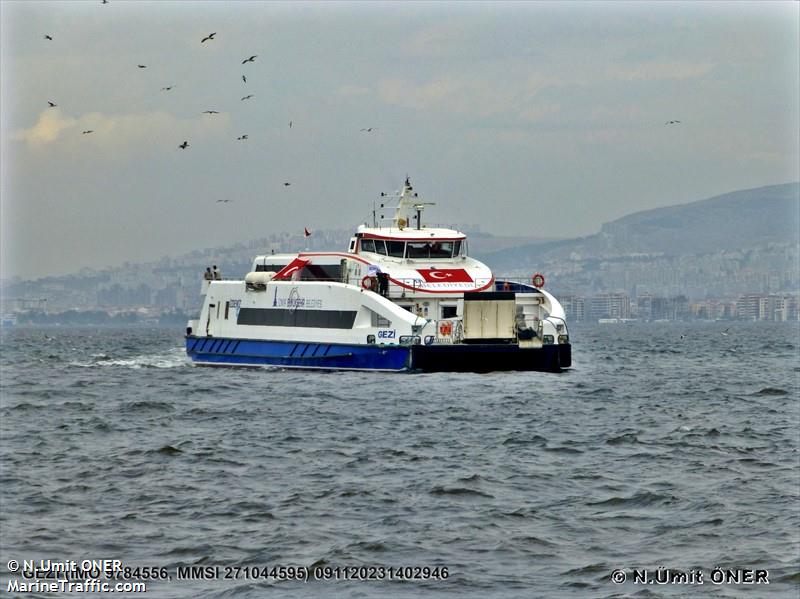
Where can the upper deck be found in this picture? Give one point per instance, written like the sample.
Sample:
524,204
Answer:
424,243
417,260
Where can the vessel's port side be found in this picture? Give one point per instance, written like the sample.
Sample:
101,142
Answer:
213,351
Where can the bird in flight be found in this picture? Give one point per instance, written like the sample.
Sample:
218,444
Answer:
725,332
242,137
210,36
47,37
88,131
672,122
290,124
104,2
184,145
370,129
52,104
142,66
166,89
244,78
210,112
247,97
251,59
286,184
223,201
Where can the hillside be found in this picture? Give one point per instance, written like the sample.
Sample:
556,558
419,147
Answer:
741,242
730,222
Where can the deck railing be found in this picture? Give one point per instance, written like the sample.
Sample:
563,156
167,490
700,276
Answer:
413,284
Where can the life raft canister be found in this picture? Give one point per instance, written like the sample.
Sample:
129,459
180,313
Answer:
445,328
368,283
537,280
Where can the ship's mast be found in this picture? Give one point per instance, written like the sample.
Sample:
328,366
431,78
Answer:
408,200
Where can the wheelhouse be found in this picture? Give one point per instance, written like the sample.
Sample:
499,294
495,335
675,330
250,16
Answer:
413,249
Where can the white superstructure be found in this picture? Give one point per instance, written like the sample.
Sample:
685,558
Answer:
404,284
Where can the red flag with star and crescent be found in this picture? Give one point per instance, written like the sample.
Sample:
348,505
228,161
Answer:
445,275
287,271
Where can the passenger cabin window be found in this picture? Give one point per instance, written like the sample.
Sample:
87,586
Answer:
368,245
457,248
449,311
269,267
380,321
380,247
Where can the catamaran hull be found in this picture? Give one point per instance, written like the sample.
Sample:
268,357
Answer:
216,351
490,357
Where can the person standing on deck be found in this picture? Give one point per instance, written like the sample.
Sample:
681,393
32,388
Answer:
383,283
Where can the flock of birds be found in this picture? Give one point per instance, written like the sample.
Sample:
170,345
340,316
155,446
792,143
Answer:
250,59
185,144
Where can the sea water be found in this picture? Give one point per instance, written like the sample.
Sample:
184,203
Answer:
671,446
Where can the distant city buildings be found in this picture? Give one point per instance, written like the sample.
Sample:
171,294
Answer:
634,286
647,307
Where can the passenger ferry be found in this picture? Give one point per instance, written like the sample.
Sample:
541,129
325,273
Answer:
403,297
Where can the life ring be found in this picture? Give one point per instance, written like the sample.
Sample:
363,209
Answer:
537,280
445,328
368,283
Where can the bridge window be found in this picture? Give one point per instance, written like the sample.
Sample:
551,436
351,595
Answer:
418,249
430,249
396,248
442,249
376,246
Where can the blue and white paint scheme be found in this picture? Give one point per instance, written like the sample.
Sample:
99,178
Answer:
401,298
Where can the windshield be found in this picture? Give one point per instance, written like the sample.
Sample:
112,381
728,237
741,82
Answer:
429,249
433,249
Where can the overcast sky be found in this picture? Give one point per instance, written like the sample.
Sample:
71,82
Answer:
525,119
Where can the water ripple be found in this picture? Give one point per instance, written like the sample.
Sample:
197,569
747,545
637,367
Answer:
522,484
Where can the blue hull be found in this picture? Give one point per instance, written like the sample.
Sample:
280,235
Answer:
220,351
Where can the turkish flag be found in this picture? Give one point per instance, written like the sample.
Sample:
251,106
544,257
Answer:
445,275
287,271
